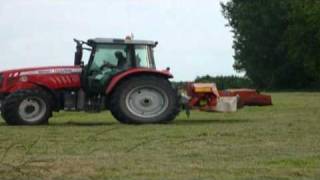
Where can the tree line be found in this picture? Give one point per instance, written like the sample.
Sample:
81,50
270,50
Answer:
276,42
222,82
226,82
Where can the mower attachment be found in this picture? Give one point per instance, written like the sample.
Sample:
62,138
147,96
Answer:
206,97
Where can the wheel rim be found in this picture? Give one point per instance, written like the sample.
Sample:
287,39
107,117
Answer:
147,102
32,109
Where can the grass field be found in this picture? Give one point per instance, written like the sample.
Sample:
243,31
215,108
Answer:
256,143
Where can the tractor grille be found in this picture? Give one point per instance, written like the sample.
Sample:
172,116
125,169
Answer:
1,80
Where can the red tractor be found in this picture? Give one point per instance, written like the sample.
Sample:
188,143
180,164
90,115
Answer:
120,75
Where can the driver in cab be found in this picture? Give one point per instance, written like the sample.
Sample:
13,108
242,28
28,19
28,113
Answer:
108,69
122,62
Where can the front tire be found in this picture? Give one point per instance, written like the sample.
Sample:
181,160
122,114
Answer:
27,107
144,100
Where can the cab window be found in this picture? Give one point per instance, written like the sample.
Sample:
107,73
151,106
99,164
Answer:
143,58
114,55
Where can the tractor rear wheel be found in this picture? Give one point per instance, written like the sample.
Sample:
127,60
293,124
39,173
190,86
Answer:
144,100
27,107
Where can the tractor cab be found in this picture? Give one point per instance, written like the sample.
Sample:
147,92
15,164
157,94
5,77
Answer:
110,57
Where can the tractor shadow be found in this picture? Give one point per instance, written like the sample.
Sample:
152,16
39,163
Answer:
209,121
181,122
67,124
84,124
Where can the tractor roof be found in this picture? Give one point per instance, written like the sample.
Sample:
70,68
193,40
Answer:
121,41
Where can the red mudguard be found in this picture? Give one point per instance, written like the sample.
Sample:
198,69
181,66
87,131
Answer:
135,71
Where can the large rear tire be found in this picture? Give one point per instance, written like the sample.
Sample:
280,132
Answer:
144,100
27,107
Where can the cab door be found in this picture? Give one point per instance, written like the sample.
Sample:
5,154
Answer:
106,61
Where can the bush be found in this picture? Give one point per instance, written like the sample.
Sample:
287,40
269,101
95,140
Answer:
226,82
222,82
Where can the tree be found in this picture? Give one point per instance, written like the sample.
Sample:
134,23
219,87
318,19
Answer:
303,40
267,41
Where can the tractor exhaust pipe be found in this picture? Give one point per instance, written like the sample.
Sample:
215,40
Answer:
78,53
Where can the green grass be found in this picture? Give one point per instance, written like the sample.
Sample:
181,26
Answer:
256,143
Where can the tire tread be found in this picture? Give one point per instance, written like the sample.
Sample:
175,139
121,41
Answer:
117,111
9,110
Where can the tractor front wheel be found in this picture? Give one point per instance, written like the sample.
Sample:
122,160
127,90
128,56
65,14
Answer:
144,100
27,107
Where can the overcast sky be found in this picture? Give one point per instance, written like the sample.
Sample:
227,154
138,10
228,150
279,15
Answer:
193,39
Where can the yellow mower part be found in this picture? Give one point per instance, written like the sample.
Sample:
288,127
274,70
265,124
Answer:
205,88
